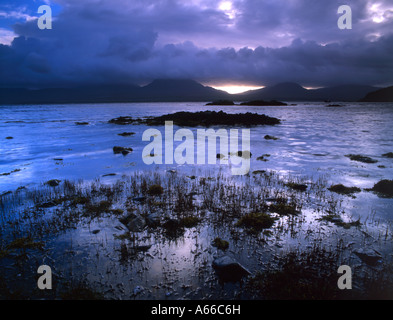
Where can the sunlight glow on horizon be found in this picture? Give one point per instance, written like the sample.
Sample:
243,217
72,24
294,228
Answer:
233,89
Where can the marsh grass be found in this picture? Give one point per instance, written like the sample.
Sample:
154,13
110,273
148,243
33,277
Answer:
268,207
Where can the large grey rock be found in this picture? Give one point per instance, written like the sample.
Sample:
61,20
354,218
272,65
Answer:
153,219
137,224
133,222
229,270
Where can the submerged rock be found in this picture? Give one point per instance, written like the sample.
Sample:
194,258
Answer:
368,256
126,134
341,189
229,270
53,183
81,123
268,137
173,228
212,118
360,158
388,155
153,219
133,222
383,187
122,120
122,150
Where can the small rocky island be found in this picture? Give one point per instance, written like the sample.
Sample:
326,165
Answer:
202,118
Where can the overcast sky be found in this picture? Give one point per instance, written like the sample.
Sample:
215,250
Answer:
253,42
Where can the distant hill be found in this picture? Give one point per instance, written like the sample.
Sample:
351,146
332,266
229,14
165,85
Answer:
170,90
294,92
382,95
158,90
180,90
284,91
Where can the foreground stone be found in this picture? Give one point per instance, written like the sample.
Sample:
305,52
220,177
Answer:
229,270
133,222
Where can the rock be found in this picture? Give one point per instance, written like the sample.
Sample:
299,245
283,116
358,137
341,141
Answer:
95,231
173,228
368,256
229,270
360,158
126,134
334,106
122,120
153,220
341,189
125,219
384,188
268,137
81,123
137,290
388,155
9,138
53,183
139,199
136,225
244,154
109,175
122,150
212,118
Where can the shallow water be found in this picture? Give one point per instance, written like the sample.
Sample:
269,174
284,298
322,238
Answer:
312,141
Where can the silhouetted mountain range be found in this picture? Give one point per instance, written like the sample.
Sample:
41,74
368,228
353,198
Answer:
382,95
178,91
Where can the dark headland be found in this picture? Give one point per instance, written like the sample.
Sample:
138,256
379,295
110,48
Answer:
182,90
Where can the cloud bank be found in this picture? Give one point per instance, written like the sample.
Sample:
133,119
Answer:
215,42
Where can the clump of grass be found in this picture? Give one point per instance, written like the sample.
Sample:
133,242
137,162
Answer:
388,155
220,244
335,219
310,275
383,187
360,158
190,222
284,209
25,243
341,189
155,190
297,186
173,228
256,221
96,210
80,200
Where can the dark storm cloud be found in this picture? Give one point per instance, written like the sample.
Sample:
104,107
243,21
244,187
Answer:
137,41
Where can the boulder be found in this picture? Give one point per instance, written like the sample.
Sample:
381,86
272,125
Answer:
153,219
137,224
229,270
122,150
133,222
